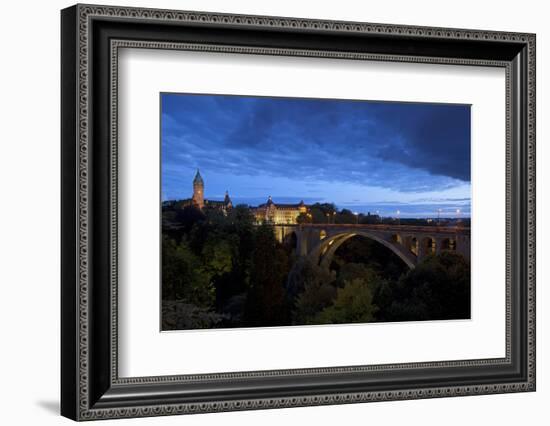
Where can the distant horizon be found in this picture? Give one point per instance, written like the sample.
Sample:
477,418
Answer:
383,209
359,155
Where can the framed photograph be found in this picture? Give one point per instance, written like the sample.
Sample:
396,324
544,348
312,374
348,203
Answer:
263,212
346,254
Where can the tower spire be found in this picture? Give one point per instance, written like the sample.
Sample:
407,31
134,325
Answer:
198,178
227,199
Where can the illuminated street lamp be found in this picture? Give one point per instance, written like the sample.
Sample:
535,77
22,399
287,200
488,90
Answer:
457,216
356,217
398,220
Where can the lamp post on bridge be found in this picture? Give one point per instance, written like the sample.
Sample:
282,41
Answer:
438,217
398,219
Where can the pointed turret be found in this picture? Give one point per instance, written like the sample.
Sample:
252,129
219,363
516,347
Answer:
227,200
198,178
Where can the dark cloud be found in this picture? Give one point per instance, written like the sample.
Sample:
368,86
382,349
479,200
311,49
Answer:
400,146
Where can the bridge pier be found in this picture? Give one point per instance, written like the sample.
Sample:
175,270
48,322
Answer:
438,245
421,252
301,244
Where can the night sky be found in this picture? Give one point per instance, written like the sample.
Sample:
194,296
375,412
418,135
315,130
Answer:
364,156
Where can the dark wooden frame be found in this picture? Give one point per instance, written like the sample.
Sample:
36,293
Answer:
90,386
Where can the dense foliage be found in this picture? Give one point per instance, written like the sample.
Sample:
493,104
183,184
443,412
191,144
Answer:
223,271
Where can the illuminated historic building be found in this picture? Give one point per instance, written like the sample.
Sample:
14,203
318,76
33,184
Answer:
269,212
200,202
278,214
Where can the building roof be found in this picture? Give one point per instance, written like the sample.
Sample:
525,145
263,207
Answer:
282,206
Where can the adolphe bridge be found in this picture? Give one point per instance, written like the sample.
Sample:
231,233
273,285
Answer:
319,242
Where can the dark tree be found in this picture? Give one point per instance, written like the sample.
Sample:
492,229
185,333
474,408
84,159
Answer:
322,212
437,289
177,221
305,218
346,217
241,226
265,301
189,216
310,289
372,254
183,276
353,303
369,219
350,271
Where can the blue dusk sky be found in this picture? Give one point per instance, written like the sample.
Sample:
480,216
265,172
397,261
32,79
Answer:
360,155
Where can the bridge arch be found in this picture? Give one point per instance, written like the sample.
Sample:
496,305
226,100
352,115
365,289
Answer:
324,251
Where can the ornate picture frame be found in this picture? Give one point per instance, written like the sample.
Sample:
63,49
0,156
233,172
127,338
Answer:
91,37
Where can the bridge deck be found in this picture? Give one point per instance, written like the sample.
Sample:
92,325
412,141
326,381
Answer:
395,228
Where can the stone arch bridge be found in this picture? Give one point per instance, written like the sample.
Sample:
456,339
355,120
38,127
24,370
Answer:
319,242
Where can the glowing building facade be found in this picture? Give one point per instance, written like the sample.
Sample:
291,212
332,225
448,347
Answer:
279,214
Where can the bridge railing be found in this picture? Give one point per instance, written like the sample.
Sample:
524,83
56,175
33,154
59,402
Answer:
382,227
